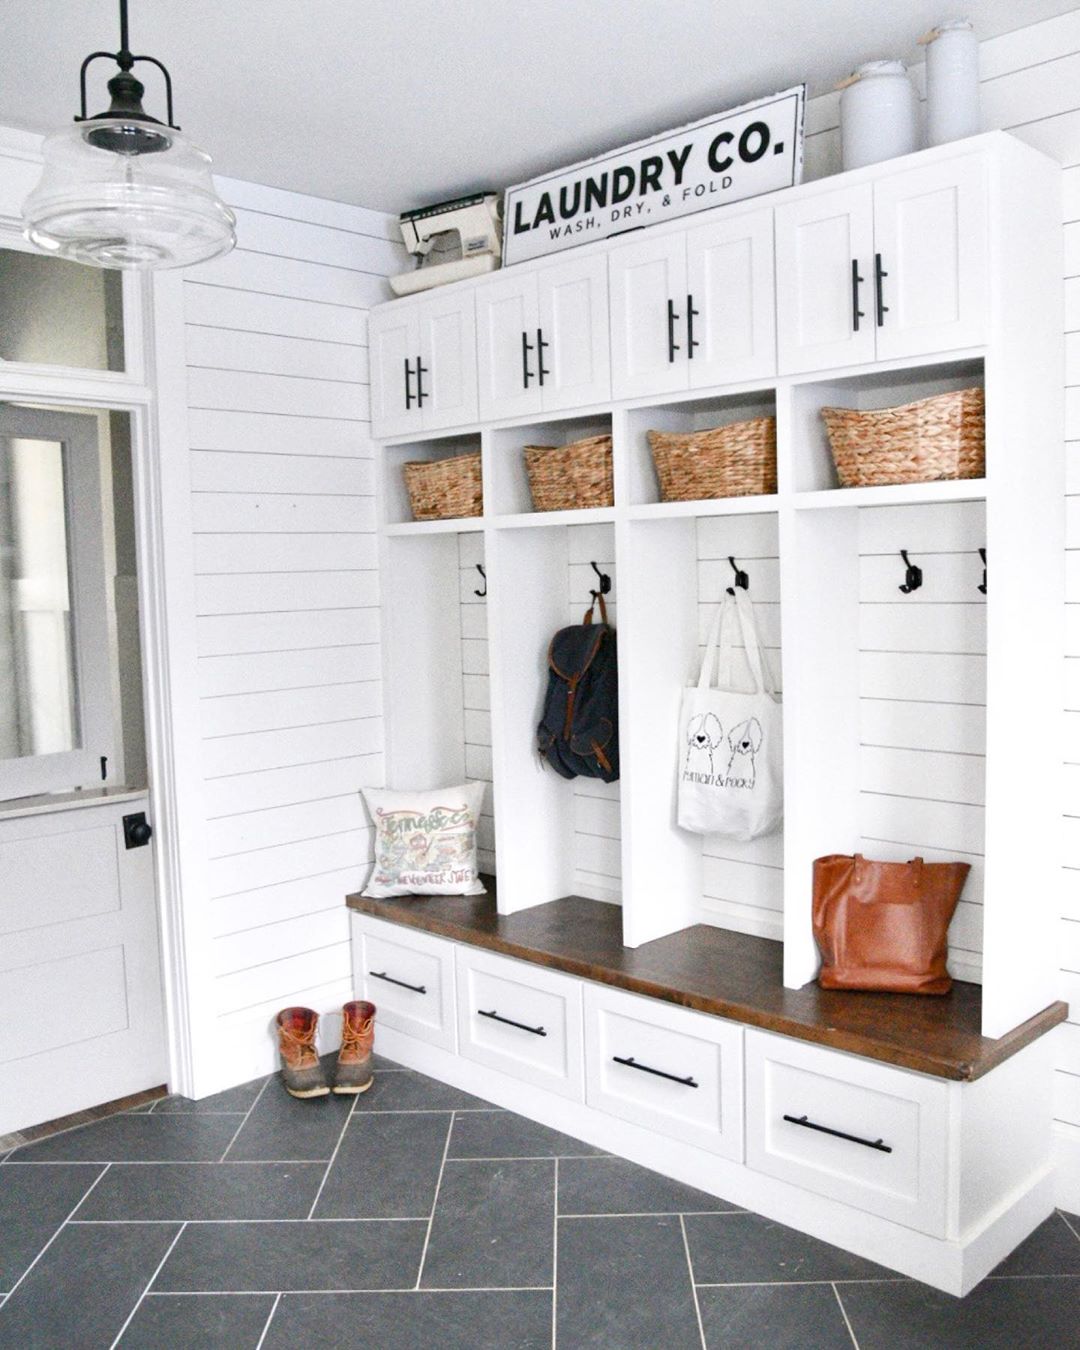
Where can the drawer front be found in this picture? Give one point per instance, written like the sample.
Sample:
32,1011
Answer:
409,977
521,1019
860,1132
660,1066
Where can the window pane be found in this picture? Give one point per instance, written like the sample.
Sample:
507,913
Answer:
38,704
59,313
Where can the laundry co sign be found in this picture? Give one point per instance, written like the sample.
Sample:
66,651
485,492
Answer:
742,153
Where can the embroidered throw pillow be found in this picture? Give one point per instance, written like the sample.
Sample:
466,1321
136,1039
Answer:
425,842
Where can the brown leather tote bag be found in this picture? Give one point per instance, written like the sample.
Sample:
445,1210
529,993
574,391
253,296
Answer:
884,925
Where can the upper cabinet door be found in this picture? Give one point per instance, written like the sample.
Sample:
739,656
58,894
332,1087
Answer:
573,350
731,325
447,356
825,280
507,320
930,241
647,281
393,349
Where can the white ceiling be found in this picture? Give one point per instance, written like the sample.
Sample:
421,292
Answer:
395,103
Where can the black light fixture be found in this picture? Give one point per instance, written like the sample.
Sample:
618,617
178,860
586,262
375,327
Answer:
123,189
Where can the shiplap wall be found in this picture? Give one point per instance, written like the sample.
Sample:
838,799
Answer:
1031,87
476,689
287,594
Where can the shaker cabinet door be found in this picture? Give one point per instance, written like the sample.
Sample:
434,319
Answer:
393,348
447,354
647,283
730,285
825,281
507,320
574,359
930,242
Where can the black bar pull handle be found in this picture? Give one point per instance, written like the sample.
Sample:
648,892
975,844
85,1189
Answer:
421,371
408,386
856,282
509,1022
382,975
540,345
838,1134
879,291
691,315
631,1063
526,348
672,347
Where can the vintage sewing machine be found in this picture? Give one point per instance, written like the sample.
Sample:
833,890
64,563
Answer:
451,240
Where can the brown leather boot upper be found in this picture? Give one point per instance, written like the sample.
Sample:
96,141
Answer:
300,1064
357,1032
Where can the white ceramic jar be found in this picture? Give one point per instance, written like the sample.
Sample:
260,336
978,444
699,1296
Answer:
952,82
878,114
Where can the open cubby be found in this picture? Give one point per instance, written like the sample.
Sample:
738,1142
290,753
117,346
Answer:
507,480
395,497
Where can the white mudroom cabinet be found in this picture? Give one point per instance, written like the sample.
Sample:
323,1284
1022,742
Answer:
672,974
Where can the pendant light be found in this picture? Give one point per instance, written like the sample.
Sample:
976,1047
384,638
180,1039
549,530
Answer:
124,190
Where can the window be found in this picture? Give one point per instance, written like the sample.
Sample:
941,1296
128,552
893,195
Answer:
59,313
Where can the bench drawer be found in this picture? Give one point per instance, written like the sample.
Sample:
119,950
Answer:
409,976
674,1071
860,1132
521,1019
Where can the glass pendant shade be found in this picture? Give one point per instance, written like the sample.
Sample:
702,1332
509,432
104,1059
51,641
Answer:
127,192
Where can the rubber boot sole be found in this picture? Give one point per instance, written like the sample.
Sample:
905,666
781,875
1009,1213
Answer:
305,1093
353,1091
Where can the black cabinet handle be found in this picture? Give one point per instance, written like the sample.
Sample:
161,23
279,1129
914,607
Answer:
421,371
408,386
631,1063
856,282
882,307
838,1134
691,315
382,975
508,1021
540,345
526,348
671,317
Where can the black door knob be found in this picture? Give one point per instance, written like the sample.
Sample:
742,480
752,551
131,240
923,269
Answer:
137,831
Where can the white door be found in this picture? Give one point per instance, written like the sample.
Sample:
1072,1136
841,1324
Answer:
80,975
647,283
825,281
446,374
507,325
394,350
732,335
573,355
930,246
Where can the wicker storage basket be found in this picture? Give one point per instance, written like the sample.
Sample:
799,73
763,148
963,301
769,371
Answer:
737,460
441,489
939,437
571,477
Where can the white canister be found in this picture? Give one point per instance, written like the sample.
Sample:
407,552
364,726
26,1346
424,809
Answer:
952,82
878,114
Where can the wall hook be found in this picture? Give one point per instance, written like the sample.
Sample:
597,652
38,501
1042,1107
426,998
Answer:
742,580
912,576
480,569
982,555
605,582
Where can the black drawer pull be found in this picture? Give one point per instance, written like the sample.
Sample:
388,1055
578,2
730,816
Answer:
691,315
672,345
509,1021
421,371
838,1134
879,292
540,345
856,282
631,1063
382,975
408,386
526,348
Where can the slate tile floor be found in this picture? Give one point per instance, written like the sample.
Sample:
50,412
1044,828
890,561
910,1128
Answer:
418,1216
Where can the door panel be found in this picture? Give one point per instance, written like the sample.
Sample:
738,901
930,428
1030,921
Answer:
730,274
817,241
930,230
643,277
573,304
448,358
393,340
506,316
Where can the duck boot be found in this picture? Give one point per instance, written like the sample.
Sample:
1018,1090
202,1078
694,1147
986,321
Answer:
300,1066
354,1072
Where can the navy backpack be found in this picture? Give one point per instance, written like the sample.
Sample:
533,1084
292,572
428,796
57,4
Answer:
579,729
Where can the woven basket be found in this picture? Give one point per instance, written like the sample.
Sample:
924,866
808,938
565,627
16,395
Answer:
441,489
737,460
571,477
939,437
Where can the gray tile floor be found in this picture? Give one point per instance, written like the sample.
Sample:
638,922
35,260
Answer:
418,1216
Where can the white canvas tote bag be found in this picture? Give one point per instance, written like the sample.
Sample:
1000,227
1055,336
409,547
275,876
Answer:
730,746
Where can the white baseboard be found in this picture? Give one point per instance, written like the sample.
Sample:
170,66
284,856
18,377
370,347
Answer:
1067,1162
